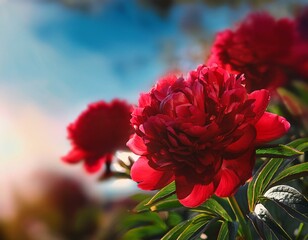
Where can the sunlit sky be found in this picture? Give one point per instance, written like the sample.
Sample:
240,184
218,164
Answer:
55,60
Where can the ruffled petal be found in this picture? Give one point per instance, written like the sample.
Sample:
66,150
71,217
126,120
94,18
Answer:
149,178
261,98
74,156
136,144
270,127
191,193
235,173
192,190
244,142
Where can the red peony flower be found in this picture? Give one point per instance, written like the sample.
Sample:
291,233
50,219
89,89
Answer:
201,132
300,48
301,22
259,47
98,132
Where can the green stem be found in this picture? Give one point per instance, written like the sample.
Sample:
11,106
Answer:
244,227
300,229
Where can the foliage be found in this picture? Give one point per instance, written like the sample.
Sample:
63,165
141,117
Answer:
265,186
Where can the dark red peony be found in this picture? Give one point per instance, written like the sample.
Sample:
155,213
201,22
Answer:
98,132
259,47
300,48
201,132
301,22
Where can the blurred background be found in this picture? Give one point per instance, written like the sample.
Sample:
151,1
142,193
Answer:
56,56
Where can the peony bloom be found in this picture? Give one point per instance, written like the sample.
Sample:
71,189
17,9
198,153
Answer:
300,48
200,132
301,22
260,48
98,132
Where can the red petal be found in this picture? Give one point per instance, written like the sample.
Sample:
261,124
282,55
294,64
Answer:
93,165
244,142
234,173
229,183
271,127
144,100
136,144
161,87
262,98
169,103
191,194
149,178
74,156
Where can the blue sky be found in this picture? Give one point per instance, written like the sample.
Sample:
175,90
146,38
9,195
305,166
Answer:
49,51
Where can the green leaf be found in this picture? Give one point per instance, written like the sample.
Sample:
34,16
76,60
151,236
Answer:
141,207
261,180
162,200
264,176
223,232
289,199
233,227
147,218
147,225
300,144
162,194
291,173
195,227
279,151
174,219
263,214
166,204
163,204
144,232
190,228
261,228
176,231
213,207
228,231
